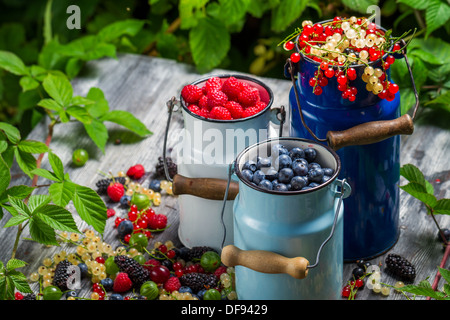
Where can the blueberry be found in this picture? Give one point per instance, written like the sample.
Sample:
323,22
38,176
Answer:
285,175
328,171
289,186
257,177
83,269
283,161
275,182
279,149
249,165
310,154
201,293
107,283
314,165
265,184
300,169
271,173
446,233
124,228
248,174
298,182
313,185
306,188
185,289
358,272
263,163
115,296
302,160
324,179
71,293
296,153
280,187
155,185
315,175
125,201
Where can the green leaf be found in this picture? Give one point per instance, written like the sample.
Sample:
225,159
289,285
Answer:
57,165
80,101
80,113
127,120
73,67
286,13
411,173
19,281
100,106
117,29
37,201
59,88
11,132
16,220
98,132
209,42
191,11
416,4
426,56
233,11
42,232
422,289
359,5
5,174
419,192
443,98
18,192
442,206
45,174
90,207
62,192
28,83
32,146
19,206
445,273
12,63
50,104
14,264
25,161
437,14
57,217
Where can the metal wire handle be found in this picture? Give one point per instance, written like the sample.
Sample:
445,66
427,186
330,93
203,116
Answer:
171,104
336,215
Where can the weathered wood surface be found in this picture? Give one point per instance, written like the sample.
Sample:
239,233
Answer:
143,85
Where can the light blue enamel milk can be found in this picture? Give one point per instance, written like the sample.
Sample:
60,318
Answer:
287,245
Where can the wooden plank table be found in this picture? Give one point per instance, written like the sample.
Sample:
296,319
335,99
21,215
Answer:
143,85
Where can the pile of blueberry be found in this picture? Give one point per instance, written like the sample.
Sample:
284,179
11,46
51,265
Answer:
287,170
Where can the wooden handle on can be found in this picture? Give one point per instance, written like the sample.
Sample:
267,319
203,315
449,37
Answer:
370,132
207,188
265,261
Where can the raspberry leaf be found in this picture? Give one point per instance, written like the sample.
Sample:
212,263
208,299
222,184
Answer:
90,207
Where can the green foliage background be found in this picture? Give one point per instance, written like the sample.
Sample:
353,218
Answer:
239,35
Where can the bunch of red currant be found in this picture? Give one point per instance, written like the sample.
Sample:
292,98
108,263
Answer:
340,47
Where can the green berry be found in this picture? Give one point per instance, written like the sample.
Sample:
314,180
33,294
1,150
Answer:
79,157
150,290
212,294
141,201
140,259
210,261
52,293
138,241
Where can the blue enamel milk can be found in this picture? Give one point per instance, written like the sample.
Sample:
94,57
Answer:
365,133
288,245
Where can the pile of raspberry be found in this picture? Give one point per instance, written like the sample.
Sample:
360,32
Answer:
223,99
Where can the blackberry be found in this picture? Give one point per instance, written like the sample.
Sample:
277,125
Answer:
30,296
137,273
198,281
62,274
171,166
400,268
103,184
195,252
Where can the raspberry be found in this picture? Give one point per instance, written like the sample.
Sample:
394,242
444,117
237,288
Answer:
231,87
172,284
203,102
220,113
191,93
204,112
157,221
110,212
249,96
250,111
136,172
216,98
260,105
122,283
212,84
193,108
115,191
235,109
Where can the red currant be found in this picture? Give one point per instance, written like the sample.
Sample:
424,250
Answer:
390,59
100,260
359,283
177,265
329,30
351,73
118,221
354,90
170,254
323,82
132,215
133,208
18,296
352,97
179,273
312,82
346,291
148,234
127,237
396,47
318,28
342,79
162,248
318,90
324,65
295,57
329,73
336,20
393,88
307,30
289,45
